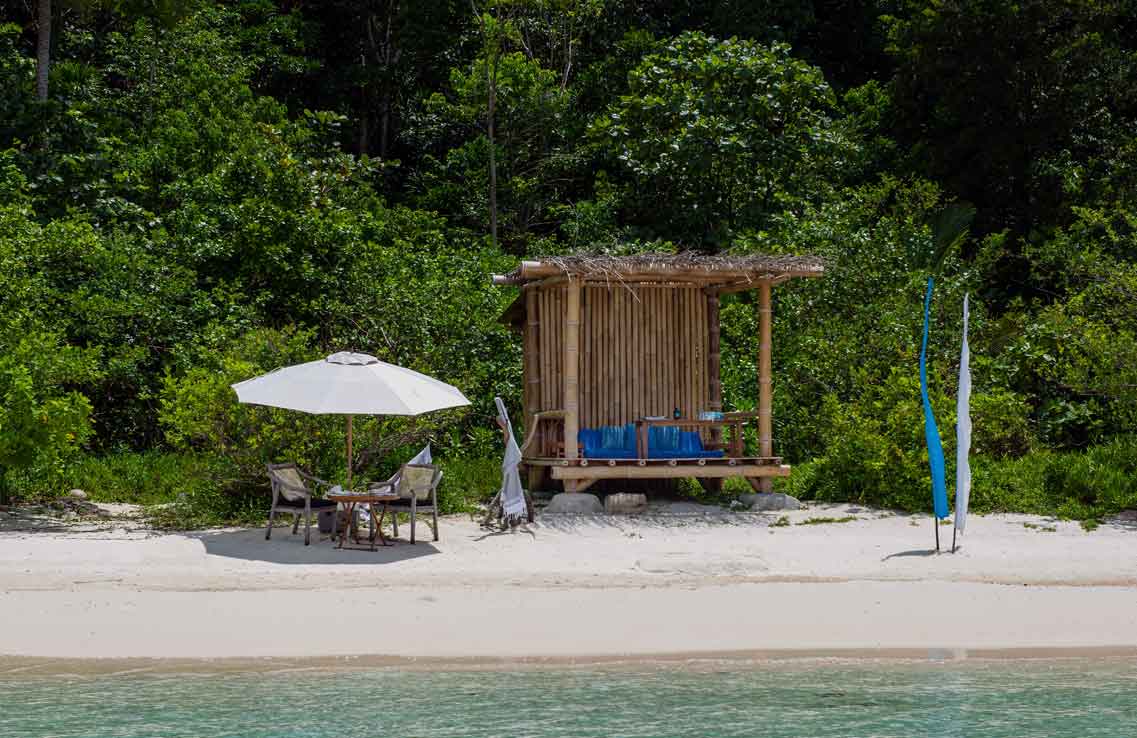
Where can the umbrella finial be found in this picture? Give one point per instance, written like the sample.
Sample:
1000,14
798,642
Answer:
351,358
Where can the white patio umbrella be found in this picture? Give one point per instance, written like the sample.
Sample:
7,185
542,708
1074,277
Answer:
348,383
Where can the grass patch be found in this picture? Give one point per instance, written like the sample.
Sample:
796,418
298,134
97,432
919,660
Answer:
824,521
1089,525
1040,528
466,482
782,522
146,478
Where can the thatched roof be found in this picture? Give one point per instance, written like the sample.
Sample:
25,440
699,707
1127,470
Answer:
719,269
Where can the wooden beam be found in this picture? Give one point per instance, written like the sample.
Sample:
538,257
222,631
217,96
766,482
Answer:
756,283
718,471
765,379
571,350
530,270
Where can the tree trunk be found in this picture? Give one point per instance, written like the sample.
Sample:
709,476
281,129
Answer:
43,47
491,78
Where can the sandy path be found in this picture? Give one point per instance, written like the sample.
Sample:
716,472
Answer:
572,587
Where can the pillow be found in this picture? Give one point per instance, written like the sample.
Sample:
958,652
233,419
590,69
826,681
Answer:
292,478
415,481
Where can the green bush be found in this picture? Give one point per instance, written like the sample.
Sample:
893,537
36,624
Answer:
1099,481
147,477
1000,423
466,481
875,449
210,507
1011,484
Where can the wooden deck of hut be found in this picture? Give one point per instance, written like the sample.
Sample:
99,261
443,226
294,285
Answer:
612,340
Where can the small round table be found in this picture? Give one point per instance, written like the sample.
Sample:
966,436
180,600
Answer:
371,499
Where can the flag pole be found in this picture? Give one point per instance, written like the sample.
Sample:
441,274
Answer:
953,539
936,522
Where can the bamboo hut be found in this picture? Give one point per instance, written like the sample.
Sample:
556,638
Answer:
621,367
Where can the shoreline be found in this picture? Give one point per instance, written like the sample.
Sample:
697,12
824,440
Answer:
20,667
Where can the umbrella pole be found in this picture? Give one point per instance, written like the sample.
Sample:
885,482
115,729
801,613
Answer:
349,417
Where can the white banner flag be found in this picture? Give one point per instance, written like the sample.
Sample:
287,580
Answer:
963,430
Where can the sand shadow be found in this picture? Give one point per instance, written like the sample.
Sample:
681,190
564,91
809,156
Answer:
286,548
633,522
920,552
522,529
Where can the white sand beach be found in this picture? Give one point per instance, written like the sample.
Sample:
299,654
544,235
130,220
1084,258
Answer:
572,587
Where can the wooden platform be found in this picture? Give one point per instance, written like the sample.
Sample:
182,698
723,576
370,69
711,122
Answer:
751,467
710,471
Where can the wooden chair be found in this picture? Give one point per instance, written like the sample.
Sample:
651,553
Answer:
292,493
417,487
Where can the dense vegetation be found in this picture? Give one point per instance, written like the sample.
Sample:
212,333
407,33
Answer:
192,192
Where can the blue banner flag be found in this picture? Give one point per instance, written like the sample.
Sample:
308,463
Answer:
931,432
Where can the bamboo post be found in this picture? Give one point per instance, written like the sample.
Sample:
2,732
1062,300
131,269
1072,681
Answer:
571,349
533,380
765,394
714,368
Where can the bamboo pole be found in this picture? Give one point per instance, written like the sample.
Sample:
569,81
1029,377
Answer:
586,355
571,348
635,385
699,308
669,350
533,375
599,325
649,350
714,385
765,379
689,334
542,352
624,359
617,356
588,401
679,347
610,365
558,345
657,395
605,366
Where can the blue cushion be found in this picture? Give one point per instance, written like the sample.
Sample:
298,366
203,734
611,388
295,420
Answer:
664,442
668,442
609,442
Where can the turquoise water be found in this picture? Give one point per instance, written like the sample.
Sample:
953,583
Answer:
1015,699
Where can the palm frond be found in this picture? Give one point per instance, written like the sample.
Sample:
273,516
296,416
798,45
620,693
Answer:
949,230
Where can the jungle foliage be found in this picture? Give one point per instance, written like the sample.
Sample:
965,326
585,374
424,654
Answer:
210,189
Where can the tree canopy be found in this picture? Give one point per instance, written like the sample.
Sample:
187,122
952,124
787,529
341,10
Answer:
212,187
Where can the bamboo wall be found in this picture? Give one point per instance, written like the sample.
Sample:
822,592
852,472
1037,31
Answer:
644,350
